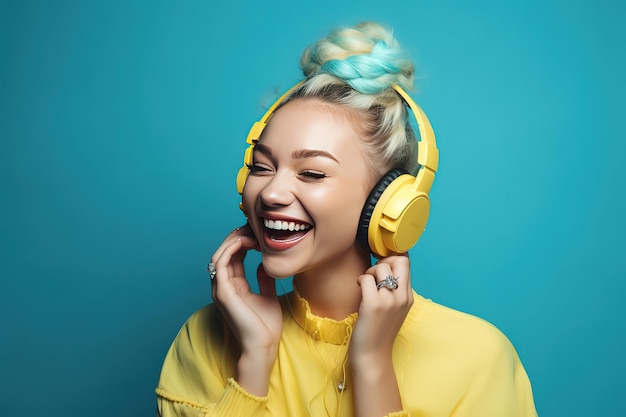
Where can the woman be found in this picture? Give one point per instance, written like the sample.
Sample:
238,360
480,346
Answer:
352,339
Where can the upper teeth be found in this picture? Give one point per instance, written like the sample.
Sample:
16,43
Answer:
285,225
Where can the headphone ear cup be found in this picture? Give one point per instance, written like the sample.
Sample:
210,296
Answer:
370,205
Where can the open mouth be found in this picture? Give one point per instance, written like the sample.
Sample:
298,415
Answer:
285,231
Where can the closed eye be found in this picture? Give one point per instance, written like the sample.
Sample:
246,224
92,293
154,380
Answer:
315,175
257,169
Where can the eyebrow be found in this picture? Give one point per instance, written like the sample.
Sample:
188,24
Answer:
312,153
297,154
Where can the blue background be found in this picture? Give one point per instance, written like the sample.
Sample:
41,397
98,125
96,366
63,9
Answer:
122,126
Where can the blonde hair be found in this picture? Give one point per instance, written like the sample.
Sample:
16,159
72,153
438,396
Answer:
355,69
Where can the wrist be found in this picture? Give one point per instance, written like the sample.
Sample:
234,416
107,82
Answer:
254,370
371,368
365,359
376,389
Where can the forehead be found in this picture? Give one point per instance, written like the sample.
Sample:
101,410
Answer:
312,124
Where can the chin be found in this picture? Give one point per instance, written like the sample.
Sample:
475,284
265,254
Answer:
278,268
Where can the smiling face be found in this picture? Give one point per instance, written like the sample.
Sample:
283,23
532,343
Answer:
306,189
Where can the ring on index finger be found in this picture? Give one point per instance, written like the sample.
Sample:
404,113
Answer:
390,282
212,271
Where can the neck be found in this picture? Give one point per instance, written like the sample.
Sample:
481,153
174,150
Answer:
331,289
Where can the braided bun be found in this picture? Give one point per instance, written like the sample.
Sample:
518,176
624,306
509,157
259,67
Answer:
367,57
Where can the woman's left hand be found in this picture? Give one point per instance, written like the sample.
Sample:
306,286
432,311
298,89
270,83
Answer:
382,310
381,314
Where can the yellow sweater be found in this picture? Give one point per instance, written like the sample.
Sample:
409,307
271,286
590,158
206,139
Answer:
447,363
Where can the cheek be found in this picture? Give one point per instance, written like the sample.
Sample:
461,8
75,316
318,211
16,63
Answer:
341,206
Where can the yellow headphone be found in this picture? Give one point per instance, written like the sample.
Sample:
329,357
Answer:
396,211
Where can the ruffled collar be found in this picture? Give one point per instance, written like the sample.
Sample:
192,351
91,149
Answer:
325,329
332,331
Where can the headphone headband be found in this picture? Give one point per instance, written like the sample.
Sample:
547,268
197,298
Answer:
427,152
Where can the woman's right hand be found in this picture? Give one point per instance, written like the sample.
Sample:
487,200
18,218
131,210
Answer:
255,319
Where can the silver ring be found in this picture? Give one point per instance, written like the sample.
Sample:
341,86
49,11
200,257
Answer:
212,271
390,282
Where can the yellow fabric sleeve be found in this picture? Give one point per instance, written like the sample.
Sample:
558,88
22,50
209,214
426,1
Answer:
234,402
398,414
197,374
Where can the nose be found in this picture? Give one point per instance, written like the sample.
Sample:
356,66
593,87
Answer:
277,192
